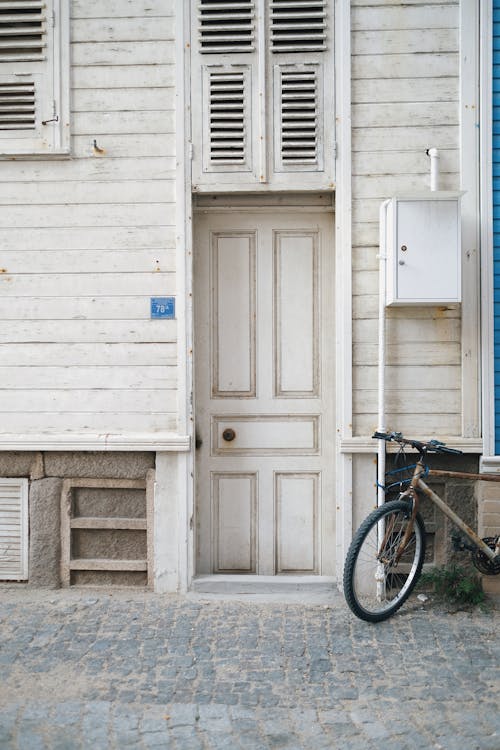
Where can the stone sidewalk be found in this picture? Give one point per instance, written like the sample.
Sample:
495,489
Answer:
84,669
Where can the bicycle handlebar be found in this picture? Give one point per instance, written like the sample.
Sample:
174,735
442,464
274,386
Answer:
431,446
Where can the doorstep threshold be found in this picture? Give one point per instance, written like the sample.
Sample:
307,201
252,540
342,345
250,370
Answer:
312,589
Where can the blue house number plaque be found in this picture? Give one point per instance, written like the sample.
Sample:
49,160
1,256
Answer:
163,307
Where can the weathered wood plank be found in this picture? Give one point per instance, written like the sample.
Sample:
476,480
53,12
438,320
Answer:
87,191
122,76
406,353
88,261
106,168
424,376
120,354
378,41
71,308
88,331
122,8
405,66
419,3
365,258
86,378
401,17
405,139
131,29
123,53
411,423
121,145
126,214
409,330
102,400
403,162
103,238
404,114
109,123
104,423
366,306
88,284
410,401
406,90
123,99
365,283
384,186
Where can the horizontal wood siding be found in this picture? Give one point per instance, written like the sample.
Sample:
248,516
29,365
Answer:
405,91
85,243
496,211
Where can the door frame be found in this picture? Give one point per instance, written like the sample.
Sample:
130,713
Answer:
184,481
262,205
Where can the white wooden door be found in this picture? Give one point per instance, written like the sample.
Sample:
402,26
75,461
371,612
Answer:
264,337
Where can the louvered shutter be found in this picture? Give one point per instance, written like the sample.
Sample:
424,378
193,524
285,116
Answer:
262,88
33,85
299,118
13,529
298,26
223,81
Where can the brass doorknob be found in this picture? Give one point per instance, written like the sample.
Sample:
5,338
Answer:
228,434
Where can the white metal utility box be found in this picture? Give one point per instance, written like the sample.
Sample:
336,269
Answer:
423,249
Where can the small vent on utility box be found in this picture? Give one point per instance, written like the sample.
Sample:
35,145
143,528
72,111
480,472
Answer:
297,26
299,117
226,26
227,118
17,106
22,30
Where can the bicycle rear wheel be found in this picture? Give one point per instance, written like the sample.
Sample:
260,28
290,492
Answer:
375,583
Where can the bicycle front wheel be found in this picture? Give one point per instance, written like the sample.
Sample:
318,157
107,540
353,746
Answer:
376,583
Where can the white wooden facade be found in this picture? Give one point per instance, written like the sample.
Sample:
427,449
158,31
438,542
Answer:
103,221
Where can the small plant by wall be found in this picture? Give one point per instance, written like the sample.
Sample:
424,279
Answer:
455,586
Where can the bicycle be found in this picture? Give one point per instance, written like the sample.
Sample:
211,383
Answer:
387,552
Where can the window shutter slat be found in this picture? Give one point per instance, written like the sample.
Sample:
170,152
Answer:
13,529
299,117
22,30
226,27
17,106
227,118
297,26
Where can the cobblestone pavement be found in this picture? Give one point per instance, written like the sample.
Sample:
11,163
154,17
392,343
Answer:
135,670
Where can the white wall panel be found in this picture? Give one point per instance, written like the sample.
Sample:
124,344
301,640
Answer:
405,92
85,243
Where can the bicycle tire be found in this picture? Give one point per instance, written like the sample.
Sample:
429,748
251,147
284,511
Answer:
375,600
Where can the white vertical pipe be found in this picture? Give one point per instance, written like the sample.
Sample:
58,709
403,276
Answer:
433,153
382,350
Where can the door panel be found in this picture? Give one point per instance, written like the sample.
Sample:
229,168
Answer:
296,314
264,392
232,269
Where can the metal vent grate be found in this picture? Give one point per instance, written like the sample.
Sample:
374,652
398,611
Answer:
299,117
227,118
13,529
226,26
297,26
17,106
22,30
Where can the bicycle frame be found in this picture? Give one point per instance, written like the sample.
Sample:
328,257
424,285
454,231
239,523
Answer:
418,485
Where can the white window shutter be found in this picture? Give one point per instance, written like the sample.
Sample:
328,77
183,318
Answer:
227,121
226,26
13,529
262,91
298,116
34,77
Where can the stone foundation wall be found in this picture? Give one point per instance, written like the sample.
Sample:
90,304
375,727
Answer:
46,472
